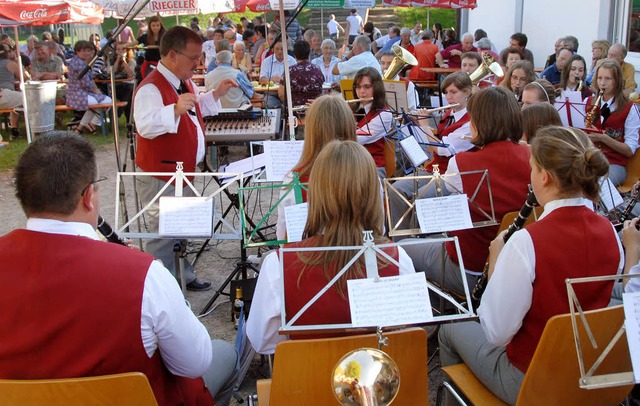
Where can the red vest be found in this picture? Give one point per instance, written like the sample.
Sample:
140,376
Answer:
376,149
72,308
443,161
570,242
174,147
331,308
509,173
614,122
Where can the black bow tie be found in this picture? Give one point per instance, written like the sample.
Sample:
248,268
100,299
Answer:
184,89
605,111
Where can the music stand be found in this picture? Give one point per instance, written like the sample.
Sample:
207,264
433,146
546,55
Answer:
588,379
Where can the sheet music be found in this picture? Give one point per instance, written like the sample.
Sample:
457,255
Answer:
609,195
572,114
246,166
413,151
389,301
295,219
631,302
186,217
281,157
447,213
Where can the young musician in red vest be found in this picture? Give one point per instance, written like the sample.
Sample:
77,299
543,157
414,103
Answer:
496,128
168,114
328,118
617,117
453,130
75,306
373,118
527,274
344,200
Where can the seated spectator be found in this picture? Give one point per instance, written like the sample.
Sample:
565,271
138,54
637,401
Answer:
46,66
359,57
327,62
124,66
405,39
306,79
485,46
511,56
599,50
449,38
519,40
454,52
241,58
554,72
618,52
272,70
394,39
10,98
236,96
221,45
427,55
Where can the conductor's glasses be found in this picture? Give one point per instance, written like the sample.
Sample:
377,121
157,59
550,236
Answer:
100,179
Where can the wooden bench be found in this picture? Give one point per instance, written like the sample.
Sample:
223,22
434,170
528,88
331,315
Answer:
101,108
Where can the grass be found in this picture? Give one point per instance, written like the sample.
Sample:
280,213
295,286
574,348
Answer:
10,154
410,15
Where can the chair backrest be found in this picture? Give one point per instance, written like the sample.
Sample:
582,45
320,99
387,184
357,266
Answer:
508,218
303,369
121,389
633,173
553,375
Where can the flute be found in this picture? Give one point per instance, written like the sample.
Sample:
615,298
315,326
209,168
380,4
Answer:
366,99
449,106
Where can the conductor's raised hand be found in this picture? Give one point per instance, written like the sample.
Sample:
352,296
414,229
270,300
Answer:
223,88
186,102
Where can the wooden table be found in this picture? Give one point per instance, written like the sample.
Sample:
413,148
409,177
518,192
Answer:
198,78
440,72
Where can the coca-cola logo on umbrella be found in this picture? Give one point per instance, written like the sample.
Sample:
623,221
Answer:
34,14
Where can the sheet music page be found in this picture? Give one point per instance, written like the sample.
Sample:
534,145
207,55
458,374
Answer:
246,166
295,220
281,157
413,151
447,213
631,302
609,195
389,301
186,217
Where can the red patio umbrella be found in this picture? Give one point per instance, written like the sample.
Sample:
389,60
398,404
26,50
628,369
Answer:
45,12
431,3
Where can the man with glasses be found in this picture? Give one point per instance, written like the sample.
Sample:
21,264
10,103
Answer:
75,306
168,114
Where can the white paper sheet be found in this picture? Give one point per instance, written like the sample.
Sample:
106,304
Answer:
572,114
631,302
413,151
186,217
390,301
447,213
295,219
281,157
609,195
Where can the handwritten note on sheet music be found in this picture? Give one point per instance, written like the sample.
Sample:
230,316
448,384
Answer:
186,216
631,303
448,213
413,151
281,157
296,218
390,301
609,195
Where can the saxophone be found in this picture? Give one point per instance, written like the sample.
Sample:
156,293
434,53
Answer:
591,116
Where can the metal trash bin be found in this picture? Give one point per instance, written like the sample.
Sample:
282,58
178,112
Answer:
41,104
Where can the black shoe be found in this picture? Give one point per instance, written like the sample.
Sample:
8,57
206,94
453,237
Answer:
198,285
15,134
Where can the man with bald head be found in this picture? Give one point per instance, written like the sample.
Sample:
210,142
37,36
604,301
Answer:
554,72
618,52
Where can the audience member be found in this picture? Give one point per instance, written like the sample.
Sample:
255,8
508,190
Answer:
454,52
554,72
359,57
618,52
306,79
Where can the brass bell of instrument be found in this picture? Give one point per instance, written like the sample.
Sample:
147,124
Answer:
402,59
366,377
489,66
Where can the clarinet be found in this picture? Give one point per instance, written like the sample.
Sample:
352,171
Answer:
518,223
108,233
626,214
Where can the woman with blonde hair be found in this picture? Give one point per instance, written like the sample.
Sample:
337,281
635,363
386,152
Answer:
599,51
527,274
616,117
518,76
328,118
344,201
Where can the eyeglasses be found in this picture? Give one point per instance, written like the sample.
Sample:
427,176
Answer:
100,179
366,87
192,58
